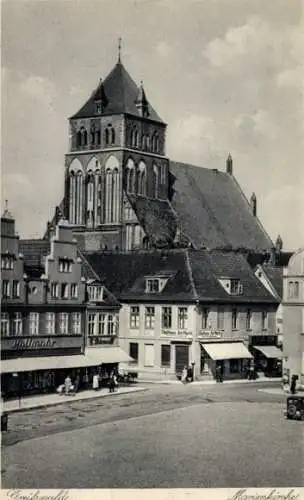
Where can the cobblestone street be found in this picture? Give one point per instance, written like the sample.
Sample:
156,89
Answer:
167,436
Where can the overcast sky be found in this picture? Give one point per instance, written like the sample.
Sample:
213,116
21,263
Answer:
226,75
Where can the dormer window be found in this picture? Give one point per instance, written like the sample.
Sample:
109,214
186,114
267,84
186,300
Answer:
233,286
236,288
98,108
65,265
152,285
95,293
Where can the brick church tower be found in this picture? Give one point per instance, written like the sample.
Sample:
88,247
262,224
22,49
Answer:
116,171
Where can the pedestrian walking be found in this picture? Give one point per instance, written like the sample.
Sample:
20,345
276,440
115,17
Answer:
189,374
285,383
251,374
96,382
77,383
218,375
184,375
112,383
293,385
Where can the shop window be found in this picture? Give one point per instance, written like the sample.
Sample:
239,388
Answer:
234,316
134,317
34,323
74,290
165,355
17,323
16,289
234,365
149,318
5,289
63,323
5,330
166,317
133,351
220,319
76,323
248,319
182,318
50,323
55,290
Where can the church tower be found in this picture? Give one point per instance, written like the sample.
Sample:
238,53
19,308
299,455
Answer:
116,163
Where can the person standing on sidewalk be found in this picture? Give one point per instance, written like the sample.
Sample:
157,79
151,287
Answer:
96,382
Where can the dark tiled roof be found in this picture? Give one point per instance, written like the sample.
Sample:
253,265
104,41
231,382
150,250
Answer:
121,93
156,218
209,267
193,276
34,252
213,211
275,276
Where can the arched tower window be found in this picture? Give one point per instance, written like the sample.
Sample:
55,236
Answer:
78,139
84,137
94,194
156,180
112,191
90,199
141,179
75,201
109,135
130,176
155,143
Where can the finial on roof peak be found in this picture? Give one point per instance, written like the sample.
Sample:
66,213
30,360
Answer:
119,48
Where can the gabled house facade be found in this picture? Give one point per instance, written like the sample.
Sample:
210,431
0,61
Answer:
187,307
293,316
48,299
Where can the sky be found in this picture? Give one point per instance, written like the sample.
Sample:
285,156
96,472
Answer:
225,75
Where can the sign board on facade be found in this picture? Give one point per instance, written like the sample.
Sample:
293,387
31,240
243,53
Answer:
40,343
176,333
210,334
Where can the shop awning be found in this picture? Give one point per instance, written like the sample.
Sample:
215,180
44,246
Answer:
229,350
44,363
107,355
270,351
94,357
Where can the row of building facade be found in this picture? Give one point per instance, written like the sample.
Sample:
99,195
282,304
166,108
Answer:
67,312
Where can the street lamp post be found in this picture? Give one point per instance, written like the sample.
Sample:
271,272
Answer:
16,376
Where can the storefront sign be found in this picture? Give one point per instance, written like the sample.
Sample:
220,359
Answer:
40,343
177,333
210,334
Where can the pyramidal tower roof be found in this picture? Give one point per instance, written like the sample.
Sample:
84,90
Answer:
118,94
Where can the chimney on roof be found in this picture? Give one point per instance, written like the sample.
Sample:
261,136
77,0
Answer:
229,165
253,204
